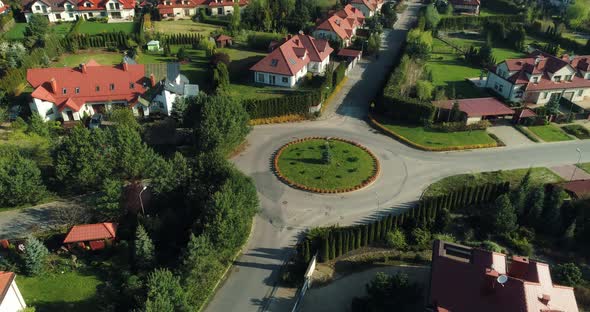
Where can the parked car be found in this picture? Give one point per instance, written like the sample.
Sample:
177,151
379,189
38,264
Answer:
95,121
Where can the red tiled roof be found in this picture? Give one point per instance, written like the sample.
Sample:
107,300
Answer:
477,107
371,4
579,188
95,76
466,279
465,2
527,113
221,38
546,84
90,232
343,22
284,60
349,53
59,5
213,3
164,8
6,279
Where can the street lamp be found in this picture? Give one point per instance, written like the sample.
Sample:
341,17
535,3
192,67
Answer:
578,163
140,200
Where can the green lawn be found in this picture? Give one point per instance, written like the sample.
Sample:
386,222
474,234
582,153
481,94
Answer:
549,133
83,56
184,26
578,131
585,167
93,28
539,176
303,163
17,32
578,37
71,291
429,138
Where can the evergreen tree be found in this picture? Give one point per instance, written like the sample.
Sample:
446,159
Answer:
551,217
35,256
332,247
535,201
164,292
365,240
358,238
339,244
143,249
325,249
504,216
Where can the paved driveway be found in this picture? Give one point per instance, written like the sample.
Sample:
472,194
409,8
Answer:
509,135
570,172
341,291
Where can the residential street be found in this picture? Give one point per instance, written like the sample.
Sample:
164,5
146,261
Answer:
286,212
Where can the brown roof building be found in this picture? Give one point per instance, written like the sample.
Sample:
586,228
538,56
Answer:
477,109
93,236
465,279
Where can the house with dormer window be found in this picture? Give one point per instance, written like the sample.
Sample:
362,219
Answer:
341,25
288,63
539,77
188,8
368,7
72,10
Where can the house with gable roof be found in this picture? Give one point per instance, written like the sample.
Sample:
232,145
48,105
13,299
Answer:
188,8
341,25
368,7
539,77
465,279
3,8
291,60
466,6
72,10
91,236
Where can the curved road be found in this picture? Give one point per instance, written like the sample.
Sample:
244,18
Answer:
286,212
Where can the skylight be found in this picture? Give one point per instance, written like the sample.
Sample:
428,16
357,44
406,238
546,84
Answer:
292,61
274,62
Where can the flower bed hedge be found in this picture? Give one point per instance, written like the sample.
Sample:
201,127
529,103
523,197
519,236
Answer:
280,174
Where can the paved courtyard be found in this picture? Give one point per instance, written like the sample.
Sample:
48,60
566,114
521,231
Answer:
509,135
566,171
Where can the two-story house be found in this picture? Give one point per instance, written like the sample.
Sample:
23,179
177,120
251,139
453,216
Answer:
69,94
188,8
368,7
72,10
538,78
288,63
341,25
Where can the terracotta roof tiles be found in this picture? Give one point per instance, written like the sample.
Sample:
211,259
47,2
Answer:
6,279
90,232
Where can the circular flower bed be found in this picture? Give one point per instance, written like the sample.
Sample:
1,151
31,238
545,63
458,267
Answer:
325,165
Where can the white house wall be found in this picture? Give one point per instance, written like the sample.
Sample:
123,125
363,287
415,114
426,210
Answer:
13,301
46,110
502,87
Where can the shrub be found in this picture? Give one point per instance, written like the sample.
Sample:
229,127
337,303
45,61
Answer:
568,274
261,41
445,237
35,256
396,239
578,131
460,126
421,238
491,246
520,245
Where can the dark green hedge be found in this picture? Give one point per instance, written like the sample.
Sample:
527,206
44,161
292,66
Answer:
182,39
407,109
296,104
462,22
83,41
332,242
339,74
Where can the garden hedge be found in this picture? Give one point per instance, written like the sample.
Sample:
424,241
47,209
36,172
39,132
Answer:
464,21
288,105
334,241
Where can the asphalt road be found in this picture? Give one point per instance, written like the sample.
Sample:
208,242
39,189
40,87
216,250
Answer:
286,212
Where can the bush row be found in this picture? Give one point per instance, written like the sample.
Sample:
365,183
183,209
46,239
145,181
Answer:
183,39
75,41
287,105
463,22
460,126
332,242
398,107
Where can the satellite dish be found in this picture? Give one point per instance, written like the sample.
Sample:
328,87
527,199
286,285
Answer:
502,279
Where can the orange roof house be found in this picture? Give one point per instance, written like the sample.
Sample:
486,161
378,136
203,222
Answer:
341,25
465,279
91,235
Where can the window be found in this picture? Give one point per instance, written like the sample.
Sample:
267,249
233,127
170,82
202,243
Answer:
97,88
557,78
87,4
112,87
77,90
90,14
274,62
543,95
535,79
64,90
117,6
580,92
131,85
261,77
38,8
285,80
103,13
568,78
500,88
68,7
71,15
49,112
58,16
112,6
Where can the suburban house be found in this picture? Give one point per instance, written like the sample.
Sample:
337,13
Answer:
3,8
91,236
465,279
72,10
189,8
368,7
477,109
341,25
10,298
69,94
466,6
536,79
291,60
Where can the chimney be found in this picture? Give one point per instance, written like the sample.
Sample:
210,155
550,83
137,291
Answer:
83,68
53,83
538,60
565,57
289,36
152,80
125,66
519,267
545,298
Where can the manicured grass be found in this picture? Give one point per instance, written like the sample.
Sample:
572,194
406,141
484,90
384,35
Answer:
549,133
580,38
303,163
539,176
17,32
83,56
184,26
450,71
71,291
578,131
585,167
196,70
93,28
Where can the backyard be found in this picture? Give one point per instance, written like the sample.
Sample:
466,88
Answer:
84,56
183,27
549,133
17,32
93,28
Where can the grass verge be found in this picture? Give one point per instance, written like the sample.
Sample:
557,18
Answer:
578,131
549,133
527,133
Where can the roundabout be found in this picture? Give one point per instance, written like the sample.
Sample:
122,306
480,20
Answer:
325,165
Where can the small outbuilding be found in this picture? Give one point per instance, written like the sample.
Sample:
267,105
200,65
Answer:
153,46
11,299
351,56
91,236
223,41
478,109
